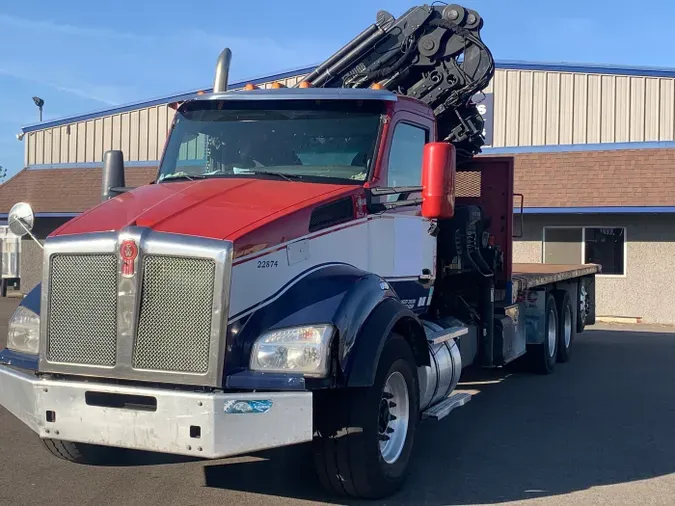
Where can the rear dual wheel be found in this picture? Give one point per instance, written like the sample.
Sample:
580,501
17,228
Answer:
542,357
559,333
567,325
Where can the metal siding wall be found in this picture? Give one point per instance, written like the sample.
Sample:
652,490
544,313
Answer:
538,107
530,108
666,104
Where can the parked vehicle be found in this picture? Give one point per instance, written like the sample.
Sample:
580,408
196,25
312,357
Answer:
318,263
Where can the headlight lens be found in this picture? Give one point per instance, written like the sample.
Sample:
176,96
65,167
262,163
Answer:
303,350
24,331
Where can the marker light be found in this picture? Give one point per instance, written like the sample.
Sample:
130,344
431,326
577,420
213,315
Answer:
277,85
305,84
250,86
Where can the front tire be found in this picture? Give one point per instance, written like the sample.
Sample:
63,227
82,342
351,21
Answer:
82,453
365,436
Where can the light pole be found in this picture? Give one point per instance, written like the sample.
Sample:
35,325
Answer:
39,103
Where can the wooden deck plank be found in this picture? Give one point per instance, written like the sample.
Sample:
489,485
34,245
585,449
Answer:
533,275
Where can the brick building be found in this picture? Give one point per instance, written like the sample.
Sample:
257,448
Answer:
594,149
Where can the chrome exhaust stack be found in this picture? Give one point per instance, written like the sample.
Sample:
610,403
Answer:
222,71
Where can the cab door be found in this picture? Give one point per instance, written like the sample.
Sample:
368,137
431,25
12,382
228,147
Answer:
401,248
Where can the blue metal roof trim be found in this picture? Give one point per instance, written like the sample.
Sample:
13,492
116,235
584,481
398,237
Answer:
501,64
587,68
599,210
558,148
158,101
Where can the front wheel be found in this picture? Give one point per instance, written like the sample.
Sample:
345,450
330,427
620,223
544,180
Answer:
365,436
82,453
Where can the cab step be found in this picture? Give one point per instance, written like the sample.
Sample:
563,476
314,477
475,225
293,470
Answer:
443,408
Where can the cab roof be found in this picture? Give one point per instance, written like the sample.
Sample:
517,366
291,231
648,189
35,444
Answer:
303,94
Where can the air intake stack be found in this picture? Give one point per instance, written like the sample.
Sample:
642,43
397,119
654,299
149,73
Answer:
222,71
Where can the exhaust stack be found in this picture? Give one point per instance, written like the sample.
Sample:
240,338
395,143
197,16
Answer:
222,71
113,174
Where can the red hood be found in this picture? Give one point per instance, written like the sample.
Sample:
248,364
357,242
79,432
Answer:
215,208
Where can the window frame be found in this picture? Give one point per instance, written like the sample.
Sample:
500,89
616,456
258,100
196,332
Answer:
413,123
583,245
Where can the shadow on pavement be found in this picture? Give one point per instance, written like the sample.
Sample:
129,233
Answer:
606,417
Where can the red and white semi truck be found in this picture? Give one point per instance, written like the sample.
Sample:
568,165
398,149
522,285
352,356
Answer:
317,263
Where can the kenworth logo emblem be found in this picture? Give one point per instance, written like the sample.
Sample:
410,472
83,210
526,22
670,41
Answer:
128,254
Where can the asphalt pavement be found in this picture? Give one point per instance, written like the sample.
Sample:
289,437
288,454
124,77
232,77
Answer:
600,430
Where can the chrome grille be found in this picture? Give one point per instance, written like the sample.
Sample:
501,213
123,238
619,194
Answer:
174,325
82,309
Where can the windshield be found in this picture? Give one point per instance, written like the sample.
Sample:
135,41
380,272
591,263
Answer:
298,140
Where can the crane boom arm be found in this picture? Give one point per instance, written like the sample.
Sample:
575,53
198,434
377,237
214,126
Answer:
418,55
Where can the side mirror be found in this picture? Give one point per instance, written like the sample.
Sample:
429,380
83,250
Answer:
113,174
21,219
438,180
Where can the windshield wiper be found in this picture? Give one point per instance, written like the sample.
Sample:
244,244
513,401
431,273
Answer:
181,176
283,175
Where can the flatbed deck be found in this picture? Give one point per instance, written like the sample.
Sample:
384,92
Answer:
526,276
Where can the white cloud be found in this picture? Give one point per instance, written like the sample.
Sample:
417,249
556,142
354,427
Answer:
79,60
42,26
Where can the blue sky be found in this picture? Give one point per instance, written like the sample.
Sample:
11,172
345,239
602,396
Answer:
81,56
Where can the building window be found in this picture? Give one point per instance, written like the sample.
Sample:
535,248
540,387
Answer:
605,246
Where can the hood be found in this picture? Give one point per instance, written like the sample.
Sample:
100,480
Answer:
215,208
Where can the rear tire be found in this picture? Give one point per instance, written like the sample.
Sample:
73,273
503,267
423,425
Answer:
583,308
567,327
82,453
542,357
359,450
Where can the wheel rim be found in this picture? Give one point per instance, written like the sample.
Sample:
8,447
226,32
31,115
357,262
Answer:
568,326
583,307
394,417
551,332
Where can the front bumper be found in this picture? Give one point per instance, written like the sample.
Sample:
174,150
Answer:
155,419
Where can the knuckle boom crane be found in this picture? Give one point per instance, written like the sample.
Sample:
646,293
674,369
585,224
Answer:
418,55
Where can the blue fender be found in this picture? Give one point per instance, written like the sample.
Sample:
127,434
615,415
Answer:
361,305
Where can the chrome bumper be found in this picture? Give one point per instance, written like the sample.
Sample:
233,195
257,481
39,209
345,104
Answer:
154,419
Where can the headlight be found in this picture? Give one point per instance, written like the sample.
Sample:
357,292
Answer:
303,350
23,334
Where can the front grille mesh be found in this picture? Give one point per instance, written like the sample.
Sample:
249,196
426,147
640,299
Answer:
174,326
82,309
